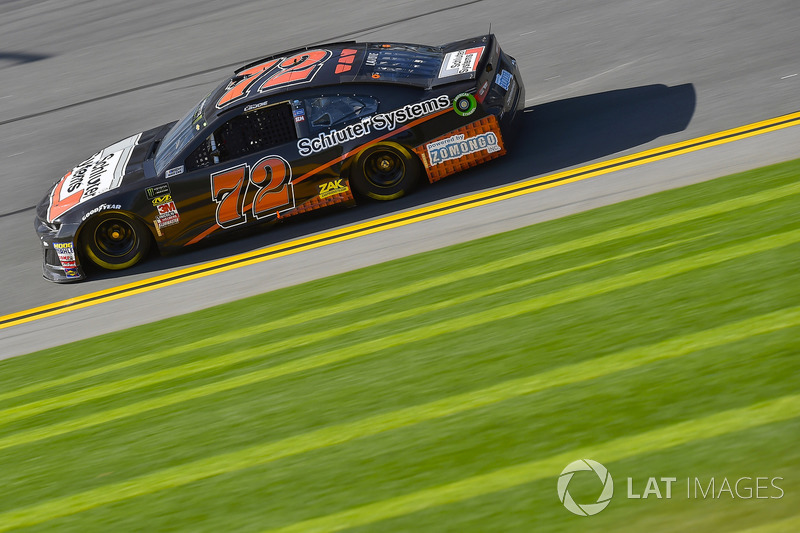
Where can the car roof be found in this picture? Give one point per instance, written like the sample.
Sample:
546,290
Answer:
331,64
328,64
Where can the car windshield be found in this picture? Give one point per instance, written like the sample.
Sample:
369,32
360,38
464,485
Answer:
179,136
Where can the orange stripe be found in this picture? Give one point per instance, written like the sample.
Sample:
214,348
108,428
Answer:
214,227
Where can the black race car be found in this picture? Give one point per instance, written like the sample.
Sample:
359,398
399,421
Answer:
294,132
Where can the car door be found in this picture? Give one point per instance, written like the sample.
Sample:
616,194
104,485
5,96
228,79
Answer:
241,173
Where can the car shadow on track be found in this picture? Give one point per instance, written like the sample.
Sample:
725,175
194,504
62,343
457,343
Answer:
553,137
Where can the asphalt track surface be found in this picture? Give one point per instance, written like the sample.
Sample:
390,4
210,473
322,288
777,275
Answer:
604,80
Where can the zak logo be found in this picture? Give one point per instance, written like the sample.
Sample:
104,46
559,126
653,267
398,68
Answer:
331,188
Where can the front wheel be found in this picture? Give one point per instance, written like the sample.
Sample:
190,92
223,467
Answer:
385,172
115,240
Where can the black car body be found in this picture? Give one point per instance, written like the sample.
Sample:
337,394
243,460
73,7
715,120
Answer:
287,134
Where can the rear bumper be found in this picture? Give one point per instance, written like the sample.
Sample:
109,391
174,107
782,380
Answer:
513,99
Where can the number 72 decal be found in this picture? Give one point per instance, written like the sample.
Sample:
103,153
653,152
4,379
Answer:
300,68
272,178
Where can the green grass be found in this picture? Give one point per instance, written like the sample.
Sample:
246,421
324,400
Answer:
447,390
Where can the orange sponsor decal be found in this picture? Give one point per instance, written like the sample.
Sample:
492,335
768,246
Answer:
346,60
462,148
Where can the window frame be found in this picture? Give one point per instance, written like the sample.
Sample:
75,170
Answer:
214,139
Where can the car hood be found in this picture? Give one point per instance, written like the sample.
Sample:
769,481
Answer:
102,172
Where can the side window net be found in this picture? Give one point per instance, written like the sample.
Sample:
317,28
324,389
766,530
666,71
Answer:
245,134
201,157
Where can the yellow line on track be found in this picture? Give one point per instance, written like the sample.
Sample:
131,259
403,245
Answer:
400,219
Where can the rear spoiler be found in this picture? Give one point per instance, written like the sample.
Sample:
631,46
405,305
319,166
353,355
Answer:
470,59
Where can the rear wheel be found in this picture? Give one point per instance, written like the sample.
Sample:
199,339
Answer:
115,240
385,172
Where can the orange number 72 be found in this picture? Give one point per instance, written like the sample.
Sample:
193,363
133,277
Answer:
300,68
272,178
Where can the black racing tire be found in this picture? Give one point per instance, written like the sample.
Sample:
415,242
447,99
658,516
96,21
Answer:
385,171
115,240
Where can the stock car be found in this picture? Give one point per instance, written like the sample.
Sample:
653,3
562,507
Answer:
284,135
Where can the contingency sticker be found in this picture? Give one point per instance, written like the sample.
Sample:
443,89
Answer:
461,62
167,215
332,187
66,254
157,190
166,210
174,171
503,79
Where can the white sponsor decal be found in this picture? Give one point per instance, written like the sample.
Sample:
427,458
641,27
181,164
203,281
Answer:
461,62
101,207
175,171
253,107
457,146
382,121
98,174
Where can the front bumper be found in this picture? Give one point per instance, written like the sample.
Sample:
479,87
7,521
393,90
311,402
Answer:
60,262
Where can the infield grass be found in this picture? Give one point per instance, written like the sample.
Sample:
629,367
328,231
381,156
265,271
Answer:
446,391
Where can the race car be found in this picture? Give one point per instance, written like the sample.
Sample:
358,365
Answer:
291,133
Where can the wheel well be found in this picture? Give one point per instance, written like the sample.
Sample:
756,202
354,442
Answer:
347,168
79,233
